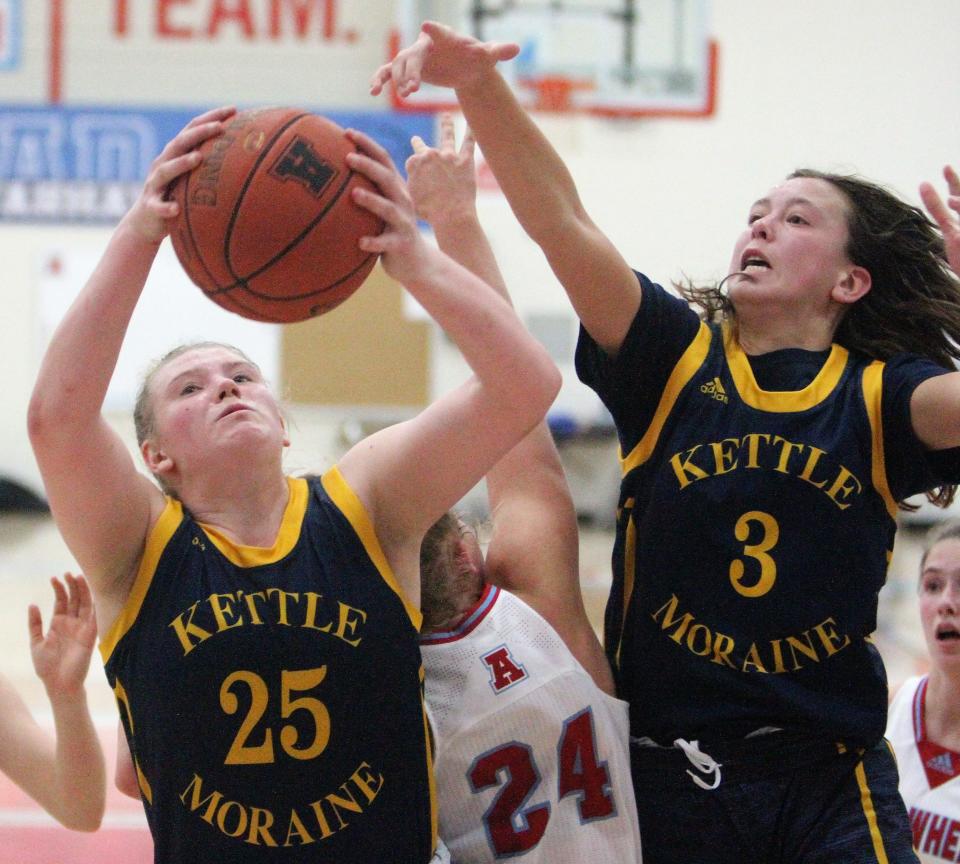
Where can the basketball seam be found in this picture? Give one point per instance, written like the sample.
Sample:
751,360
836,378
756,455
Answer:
243,281
193,241
251,173
237,293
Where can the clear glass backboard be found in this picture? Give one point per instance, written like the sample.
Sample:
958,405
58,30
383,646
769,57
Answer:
630,58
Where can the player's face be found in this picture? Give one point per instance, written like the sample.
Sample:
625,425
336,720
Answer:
940,601
793,250
211,399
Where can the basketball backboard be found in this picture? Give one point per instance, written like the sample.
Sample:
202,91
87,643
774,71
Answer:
632,58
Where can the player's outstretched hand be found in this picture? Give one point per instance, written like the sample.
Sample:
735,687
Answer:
149,217
61,658
443,57
940,211
403,249
442,179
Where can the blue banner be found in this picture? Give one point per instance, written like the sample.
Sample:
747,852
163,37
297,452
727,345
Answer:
87,165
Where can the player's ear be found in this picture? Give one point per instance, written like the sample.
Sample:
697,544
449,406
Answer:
155,457
854,283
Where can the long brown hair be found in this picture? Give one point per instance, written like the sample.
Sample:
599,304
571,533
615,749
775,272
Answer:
913,305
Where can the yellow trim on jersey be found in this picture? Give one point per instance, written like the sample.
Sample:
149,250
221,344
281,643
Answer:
124,701
873,399
866,802
629,571
349,504
157,540
691,360
431,780
782,401
287,536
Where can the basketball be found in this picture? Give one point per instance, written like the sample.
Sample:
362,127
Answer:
267,227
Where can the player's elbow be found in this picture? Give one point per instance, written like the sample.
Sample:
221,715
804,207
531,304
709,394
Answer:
127,785
47,418
88,817
556,230
56,418
540,388
39,419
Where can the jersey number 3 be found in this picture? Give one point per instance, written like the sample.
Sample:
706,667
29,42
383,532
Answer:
512,828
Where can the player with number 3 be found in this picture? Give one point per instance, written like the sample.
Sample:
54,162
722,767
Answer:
765,445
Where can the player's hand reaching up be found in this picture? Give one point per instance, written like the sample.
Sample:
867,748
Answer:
149,216
940,211
442,57
442,179
62,656
403,250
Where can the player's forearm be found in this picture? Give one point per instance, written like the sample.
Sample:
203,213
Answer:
530,172
462,237
78,794
511,365
533,466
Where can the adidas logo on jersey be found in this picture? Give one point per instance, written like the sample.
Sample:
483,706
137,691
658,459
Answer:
942,763
715,389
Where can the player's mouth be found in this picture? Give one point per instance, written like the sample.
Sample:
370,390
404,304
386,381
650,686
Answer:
232,409
752,262
947,633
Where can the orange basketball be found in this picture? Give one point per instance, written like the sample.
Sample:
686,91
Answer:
267,225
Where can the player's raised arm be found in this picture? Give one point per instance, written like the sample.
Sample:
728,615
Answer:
410,474
101,503
534,546
935,406
65,772
602,287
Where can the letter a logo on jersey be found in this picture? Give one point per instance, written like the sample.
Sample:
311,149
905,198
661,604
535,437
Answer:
504,670
300,162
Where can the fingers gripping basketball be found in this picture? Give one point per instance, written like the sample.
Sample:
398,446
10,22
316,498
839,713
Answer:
267,224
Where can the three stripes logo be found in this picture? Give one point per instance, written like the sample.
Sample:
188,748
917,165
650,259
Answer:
715,389
942,763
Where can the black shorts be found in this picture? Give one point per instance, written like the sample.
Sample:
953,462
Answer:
780,799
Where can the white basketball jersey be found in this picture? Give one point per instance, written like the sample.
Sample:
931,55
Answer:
929,776
533,760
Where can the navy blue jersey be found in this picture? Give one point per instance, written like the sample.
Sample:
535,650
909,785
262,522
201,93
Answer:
754,530
272,698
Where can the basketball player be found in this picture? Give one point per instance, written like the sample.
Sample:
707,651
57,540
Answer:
261,631
764,450
533,758
924,723
63,772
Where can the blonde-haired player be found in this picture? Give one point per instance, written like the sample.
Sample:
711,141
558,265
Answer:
532,757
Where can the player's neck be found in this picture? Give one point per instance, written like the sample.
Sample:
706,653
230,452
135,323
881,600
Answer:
248,512
465,602
942,708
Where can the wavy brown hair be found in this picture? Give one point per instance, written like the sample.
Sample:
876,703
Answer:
913,305
446,574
